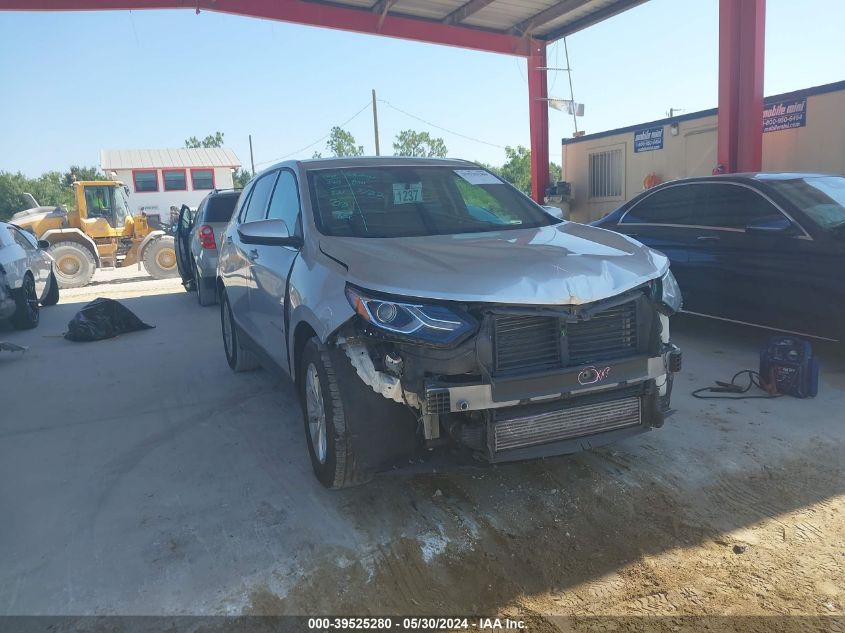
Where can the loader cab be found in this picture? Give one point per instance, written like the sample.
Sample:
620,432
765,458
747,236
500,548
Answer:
103,208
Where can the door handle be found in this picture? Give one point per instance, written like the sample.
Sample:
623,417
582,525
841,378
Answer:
252,255
707,238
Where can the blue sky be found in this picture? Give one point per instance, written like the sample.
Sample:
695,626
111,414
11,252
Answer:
76,82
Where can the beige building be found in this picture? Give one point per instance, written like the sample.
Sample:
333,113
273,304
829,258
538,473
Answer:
803,131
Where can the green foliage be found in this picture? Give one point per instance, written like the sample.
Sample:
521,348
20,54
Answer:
517,168
421,144
49,189
241,177
77,173
212,140
342,143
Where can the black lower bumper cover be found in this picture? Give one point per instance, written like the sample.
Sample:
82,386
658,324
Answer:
651,417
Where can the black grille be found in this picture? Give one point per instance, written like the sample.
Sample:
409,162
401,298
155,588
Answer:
437,401
537,343
527,343
611,333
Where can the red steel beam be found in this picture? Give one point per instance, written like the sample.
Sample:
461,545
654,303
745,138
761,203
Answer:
538,116
309,13
741,58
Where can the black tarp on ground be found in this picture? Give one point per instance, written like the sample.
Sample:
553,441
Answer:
101,319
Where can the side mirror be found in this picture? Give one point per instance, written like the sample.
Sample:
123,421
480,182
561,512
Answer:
555,212
775,225
43,245
268,233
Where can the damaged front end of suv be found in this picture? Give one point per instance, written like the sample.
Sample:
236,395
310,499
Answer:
518,382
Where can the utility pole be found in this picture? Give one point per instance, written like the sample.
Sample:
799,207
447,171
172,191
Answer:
571,92
375,122
251,158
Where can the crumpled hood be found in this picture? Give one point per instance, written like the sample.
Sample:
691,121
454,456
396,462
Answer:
563,264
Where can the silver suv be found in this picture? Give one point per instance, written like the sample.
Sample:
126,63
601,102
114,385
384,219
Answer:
421,304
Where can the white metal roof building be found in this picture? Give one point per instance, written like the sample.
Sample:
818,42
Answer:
115,159
159,179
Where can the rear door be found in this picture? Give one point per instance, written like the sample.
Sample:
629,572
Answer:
271,269
182,243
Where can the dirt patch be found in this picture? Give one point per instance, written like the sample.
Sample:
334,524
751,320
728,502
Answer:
587,536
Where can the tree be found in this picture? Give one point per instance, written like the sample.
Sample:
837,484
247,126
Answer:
517,168
49,189
342,143
212,140
240,177
77,173
411,143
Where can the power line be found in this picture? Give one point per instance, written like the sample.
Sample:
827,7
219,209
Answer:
440,127
319,140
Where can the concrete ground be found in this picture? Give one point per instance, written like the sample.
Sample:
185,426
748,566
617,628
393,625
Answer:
139,475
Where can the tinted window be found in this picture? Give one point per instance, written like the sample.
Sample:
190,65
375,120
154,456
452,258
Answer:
23,239
146,180
257,205
202,179
734,207
285,202
820,197
220,208
673,205
174,180
417,200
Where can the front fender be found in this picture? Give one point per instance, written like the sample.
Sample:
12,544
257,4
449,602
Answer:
74,235
149,238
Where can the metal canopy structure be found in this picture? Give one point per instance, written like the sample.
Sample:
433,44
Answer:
513,27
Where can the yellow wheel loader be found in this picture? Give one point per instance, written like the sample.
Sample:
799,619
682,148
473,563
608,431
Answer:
99,231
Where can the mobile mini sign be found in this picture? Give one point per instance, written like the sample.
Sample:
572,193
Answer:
648,139
785,115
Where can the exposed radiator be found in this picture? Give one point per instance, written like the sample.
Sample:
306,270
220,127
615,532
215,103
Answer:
519,427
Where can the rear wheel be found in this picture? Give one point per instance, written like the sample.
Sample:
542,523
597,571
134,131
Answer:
75,264
238,357
26,314
52,297
160,258
205,296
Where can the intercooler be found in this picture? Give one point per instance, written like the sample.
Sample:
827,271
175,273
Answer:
522,427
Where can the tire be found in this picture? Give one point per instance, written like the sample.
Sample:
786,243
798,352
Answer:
205,297
327,423
160,258
52,297
26,314
238,357
75,264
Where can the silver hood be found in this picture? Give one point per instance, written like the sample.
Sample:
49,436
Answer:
563,264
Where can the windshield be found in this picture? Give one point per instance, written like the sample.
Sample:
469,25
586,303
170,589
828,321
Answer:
412,201
822,198
121,206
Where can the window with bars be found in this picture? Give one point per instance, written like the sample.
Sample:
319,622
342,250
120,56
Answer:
607,173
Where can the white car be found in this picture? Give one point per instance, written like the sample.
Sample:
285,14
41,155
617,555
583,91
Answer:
26,277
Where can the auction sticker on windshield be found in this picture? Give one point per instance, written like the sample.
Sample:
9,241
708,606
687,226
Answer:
407,193
478,177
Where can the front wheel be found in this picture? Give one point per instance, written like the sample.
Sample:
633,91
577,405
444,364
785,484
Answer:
26,314
52,297
75,264
160,258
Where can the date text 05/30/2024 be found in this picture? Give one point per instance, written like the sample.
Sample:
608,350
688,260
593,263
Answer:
414,624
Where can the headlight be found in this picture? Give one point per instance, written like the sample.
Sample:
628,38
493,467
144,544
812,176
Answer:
669,293
428,323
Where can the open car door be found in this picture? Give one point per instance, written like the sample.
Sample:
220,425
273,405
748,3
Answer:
182,239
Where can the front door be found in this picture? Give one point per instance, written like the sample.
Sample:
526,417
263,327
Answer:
182,240
271,265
